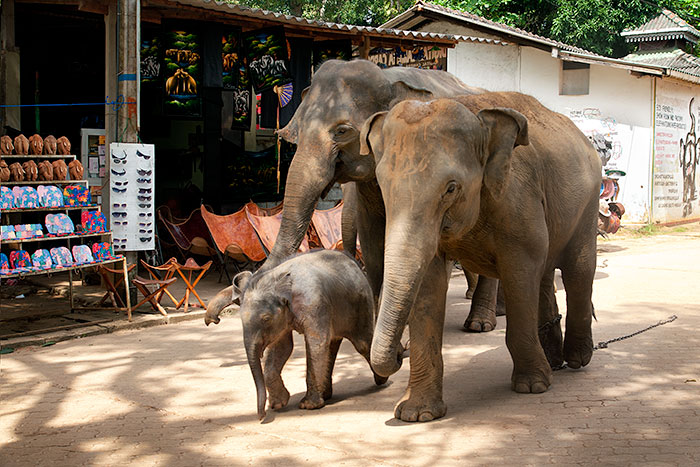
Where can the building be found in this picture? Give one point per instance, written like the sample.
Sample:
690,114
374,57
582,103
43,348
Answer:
643,105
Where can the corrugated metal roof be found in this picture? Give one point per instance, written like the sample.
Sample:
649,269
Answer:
497,28
675,59
667,25
256,13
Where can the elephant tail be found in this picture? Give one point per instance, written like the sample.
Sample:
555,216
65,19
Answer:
217,304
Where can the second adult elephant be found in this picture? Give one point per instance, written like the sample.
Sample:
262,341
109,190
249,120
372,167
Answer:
510,189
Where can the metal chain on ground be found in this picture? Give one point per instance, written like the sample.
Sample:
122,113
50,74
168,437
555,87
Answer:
604,344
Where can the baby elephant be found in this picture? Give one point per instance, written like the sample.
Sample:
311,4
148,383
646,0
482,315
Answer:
324,296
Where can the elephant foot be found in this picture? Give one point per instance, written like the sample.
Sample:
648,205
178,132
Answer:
278,399
420,409
578,350
312,401
535,382
470,293
482,317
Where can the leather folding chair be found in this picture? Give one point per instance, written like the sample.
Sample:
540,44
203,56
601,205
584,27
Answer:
151,295
234,237
163,272
328,226
267,228
112,294
186,272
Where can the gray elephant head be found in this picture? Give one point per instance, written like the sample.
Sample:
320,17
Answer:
435,161
266,317
326,129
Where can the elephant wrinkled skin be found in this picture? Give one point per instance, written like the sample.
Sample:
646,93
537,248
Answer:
508,188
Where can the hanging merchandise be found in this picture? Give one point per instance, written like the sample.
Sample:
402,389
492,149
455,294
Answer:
268,58
132,196
326,50
231,58
182,73
150,63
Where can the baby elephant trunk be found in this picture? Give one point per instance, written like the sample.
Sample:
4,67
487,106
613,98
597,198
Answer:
221,301
254,350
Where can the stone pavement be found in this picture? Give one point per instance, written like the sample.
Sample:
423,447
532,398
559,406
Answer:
183,395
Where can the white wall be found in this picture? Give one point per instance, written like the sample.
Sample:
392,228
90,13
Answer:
673,192
618,106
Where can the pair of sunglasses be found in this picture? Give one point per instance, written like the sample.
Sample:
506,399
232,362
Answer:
144,231
125,183
118,190
119,205
145,190
121,222
144,206
144,172
119,214
143,198
143,180
120,247
145,239
145,214
120,240
145,224
140,154
117,173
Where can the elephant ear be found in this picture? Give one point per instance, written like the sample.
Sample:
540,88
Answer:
371,135
283,288
507,129
240,281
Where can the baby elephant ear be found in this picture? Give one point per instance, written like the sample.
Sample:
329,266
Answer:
239,282
507,129
371,135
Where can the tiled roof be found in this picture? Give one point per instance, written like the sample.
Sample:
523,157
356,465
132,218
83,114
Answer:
674,59
475,20
256,13
667,25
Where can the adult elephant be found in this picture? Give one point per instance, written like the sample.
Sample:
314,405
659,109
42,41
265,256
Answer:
511,194
326,129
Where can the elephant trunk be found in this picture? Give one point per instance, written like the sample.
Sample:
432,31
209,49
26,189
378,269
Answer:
217,304
254,350
309,175
404,266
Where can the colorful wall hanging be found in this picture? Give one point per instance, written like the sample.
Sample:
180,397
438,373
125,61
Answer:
267,57
182,73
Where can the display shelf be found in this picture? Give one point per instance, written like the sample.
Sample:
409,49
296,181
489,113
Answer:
40,156
55,270
53,237
62,208
44,182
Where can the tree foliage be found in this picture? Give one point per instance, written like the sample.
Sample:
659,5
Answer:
593,25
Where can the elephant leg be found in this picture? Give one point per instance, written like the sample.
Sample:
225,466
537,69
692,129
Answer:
318,351
500,301
578,271
472,280
531,370
549,322
422,400
276,355
327,383
482,315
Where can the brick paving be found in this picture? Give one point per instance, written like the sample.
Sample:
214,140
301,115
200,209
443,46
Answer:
182,394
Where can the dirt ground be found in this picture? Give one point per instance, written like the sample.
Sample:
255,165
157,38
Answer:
182,394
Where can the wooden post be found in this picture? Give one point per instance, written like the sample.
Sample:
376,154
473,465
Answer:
9,67
365,48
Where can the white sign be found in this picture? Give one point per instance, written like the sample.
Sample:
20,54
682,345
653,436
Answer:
132,196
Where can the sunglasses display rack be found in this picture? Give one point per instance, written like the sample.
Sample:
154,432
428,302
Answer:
132,196
14,244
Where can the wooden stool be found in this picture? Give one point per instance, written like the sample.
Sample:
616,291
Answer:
112,294
190,268
152,296
163,272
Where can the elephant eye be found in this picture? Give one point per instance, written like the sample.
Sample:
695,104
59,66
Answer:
266,318
451,188
343,131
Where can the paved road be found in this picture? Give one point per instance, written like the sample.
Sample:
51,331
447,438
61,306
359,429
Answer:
183,395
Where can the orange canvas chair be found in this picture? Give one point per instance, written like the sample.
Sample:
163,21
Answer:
267,228
234,237
327,224
258,211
